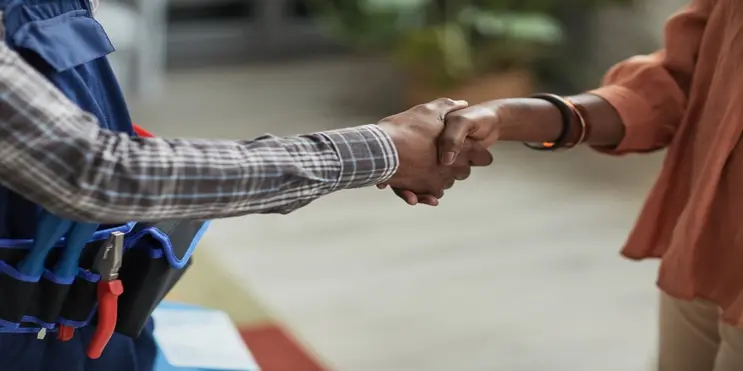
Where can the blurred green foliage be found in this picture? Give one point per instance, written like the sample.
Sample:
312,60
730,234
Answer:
447,41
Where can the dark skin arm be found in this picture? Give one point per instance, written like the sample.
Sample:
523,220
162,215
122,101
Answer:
526,120
519,120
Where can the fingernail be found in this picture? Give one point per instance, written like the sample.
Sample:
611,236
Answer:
449,158
463,102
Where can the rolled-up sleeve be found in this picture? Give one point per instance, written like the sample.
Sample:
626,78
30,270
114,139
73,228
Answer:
650,92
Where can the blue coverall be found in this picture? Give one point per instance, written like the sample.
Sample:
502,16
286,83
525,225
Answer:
61,40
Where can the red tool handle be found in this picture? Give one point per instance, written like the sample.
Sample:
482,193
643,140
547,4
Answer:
108,297
142,132
65,333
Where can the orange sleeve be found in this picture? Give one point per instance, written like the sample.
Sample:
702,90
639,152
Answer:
650,92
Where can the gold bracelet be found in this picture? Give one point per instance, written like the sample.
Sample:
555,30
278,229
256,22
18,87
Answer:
581,120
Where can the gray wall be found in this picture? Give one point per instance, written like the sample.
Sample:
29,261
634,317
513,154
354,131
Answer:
622,32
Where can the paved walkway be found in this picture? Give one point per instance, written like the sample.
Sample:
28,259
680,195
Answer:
517,270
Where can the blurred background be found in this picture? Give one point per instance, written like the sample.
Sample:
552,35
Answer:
517,270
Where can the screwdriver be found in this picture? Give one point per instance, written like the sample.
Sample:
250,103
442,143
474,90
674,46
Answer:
75,240
49,229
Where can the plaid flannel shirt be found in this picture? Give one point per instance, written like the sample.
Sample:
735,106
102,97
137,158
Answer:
55,155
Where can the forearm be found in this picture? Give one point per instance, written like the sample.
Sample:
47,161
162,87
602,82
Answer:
535,120
648,95
110,178
57,156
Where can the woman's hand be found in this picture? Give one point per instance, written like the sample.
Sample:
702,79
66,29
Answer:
472,126
520,120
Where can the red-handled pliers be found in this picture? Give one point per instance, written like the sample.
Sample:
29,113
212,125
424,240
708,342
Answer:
142,132
110,288
66,333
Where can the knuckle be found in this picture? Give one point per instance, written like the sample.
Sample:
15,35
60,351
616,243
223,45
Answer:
449,179
489,159
462,171
484,158
458,120
427,111
422,108
442,106
445,102
448,102
455,118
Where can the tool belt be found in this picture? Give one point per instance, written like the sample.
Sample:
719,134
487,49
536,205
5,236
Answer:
155,256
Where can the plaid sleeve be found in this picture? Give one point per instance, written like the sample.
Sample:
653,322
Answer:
56,155
367,155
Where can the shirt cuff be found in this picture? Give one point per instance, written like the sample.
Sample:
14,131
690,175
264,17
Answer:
642,129
367,156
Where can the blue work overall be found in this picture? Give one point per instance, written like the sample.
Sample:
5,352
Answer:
62,41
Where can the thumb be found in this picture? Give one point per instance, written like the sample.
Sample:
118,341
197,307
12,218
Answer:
451,141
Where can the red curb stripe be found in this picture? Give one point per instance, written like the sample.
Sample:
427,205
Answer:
276,350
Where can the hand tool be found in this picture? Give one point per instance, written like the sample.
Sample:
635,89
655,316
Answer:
109,289
75,240
66,267
141,132
49,229
65,333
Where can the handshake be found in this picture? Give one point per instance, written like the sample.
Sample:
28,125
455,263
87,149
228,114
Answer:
437,144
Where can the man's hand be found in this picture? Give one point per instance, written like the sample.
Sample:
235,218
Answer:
469,131
415,134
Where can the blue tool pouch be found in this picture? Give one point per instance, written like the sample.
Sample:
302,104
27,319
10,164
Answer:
62,41
155,257
160,255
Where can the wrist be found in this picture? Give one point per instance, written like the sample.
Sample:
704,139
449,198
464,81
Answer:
535,120
527,120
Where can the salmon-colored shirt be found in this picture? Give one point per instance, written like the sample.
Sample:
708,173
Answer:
689,97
